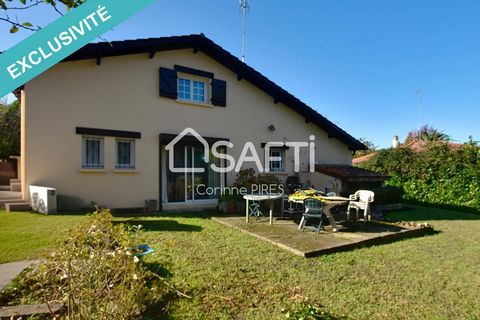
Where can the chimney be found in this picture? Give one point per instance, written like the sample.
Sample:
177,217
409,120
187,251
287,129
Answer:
395,142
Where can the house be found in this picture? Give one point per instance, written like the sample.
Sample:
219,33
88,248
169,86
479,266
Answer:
96,126
364,158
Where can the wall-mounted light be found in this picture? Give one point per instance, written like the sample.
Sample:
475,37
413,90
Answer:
271,127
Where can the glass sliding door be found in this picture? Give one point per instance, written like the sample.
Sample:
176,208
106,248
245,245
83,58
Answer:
190,186
176,181
207,179
189,154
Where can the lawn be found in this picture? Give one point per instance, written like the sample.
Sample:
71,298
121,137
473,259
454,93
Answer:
24,236
233,275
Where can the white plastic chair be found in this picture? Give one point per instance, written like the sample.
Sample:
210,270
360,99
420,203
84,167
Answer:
361,201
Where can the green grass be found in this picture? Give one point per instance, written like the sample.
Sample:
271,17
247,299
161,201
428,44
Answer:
24,236
230,274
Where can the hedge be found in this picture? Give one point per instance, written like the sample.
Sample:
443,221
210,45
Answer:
440,175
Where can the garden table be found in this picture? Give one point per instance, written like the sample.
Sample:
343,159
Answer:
262,197
328,203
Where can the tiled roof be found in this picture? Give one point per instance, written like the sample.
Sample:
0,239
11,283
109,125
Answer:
349,173
364,158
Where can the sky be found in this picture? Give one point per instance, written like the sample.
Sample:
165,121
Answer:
361,64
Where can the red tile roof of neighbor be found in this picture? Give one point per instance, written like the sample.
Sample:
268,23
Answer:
420,146
417,146
348,173
364,158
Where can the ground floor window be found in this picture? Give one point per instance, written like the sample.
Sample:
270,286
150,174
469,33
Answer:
92,152
277,165
125,151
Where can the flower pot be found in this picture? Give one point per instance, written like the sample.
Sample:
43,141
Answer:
231,207
224,207
240,206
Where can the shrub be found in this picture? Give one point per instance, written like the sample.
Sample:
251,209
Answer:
94,273
383,194
439,175
247,177
247,180
10,130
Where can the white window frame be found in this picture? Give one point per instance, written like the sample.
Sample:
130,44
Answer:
282,162
192,79
101,163
132,154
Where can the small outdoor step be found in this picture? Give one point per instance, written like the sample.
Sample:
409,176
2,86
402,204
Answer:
15,186
13,200
10,194
19,206
8,200
32,309
5,188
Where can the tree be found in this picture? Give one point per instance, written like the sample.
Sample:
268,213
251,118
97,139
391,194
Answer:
371,147
434,135
10,131
14,6
426,133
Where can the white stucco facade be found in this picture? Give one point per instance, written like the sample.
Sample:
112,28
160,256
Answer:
122,93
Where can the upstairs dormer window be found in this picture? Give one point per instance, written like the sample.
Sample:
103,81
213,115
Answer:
192,85
194,90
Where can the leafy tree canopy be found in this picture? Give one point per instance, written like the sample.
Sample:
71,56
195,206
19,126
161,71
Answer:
371,147
9,130
426,133
10,9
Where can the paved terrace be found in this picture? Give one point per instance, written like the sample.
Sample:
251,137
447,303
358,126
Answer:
351,235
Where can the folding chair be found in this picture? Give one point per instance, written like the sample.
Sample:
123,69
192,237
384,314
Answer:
290,207
254,210
313,211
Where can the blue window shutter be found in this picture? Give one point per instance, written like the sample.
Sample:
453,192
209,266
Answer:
219,93
168,83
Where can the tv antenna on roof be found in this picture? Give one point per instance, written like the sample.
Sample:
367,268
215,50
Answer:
244,8
420,108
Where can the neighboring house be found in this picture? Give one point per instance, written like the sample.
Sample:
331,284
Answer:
420,146
96,126
417,146
364,158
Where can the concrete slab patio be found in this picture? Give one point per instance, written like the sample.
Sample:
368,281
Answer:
351,235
